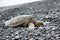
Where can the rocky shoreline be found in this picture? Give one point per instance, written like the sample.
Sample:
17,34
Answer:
45,11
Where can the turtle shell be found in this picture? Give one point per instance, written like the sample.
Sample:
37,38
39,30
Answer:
19,20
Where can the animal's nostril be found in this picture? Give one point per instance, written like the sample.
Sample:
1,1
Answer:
40,24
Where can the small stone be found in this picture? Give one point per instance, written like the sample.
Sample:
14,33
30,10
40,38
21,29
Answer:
16,39
31,39
36,39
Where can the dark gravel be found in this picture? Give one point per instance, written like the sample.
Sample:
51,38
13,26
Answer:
46,11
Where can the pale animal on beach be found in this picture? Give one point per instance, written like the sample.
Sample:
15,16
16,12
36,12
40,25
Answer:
24,21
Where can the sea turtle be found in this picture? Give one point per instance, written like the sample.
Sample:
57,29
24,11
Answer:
23,21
